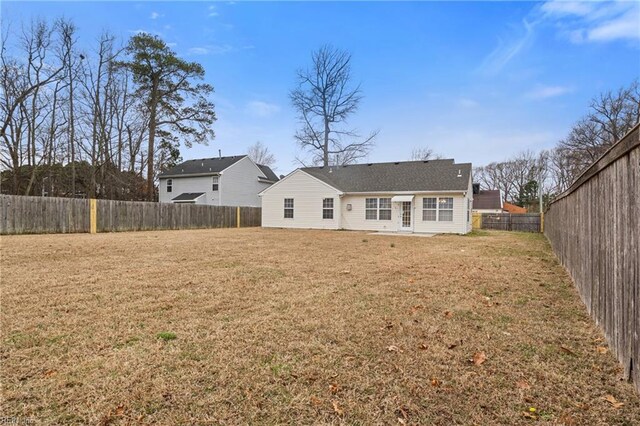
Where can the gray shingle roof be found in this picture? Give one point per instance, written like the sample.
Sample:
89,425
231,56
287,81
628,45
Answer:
211,166
188,196
430,175
202,166
488,199
268,172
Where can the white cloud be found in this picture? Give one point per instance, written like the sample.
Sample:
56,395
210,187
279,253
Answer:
506,51
626,26
546,92
595,21
197,51
262,109
155,15
213,11
467,103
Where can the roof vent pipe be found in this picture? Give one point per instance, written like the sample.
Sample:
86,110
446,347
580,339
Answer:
219,153
459,173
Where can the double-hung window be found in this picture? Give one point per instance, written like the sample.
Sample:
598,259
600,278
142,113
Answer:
371,209
445,209
437,209
288,208
384,212
215,183
327,208
429,209
169,185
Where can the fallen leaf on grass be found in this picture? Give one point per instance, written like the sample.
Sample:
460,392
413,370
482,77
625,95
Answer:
415,308
523,384
120,410
613,401
49,373
452,346
334,388
316,402
448,314
435,383
478,358
411,281
345,272
602,349
393,348
424,347
567,350
336,408
529,415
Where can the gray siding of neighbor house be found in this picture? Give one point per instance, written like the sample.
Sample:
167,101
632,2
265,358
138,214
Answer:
238,185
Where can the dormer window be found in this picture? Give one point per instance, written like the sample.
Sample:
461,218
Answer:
215,184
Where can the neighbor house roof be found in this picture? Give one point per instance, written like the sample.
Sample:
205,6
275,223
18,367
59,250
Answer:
188,196
211,166
512,208
488,199
430,175
268,172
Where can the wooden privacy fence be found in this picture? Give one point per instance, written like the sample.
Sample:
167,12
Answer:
594,229
39,215
526,222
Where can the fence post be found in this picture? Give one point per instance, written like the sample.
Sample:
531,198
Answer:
542,222
93,216
238,217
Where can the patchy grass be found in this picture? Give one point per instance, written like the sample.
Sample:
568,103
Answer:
299,327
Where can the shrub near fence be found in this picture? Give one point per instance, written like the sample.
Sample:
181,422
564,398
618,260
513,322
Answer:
36,215
594,229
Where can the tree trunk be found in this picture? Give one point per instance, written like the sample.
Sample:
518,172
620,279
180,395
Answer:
325,148
152,136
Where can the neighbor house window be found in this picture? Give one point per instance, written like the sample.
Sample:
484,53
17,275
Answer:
384,212
371,209
288,208
169,185
429,209
327,208
215,183
445,209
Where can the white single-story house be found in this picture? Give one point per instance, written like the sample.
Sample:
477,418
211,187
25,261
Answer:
433,196
487,200
223,181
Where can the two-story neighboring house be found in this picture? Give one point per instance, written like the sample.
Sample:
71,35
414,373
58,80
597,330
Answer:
221,181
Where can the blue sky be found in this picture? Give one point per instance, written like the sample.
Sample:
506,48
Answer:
475,81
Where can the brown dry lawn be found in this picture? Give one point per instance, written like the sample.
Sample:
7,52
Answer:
299,327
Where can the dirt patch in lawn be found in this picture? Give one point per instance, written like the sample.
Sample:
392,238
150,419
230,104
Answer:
276,326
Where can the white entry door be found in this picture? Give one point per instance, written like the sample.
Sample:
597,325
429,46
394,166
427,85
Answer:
406,221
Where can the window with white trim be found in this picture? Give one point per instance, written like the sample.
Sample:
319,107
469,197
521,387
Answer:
384,209
169,185
327,208
429,209
371,209
288,208
215,183
445,209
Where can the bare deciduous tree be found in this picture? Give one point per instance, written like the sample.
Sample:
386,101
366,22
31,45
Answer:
260,154
324,99
423,154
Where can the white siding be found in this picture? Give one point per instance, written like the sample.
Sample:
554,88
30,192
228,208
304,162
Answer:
457,226
355,219
189,184
307,193
239,184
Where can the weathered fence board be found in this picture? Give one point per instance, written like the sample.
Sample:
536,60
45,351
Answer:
594,229
525,222
36,215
